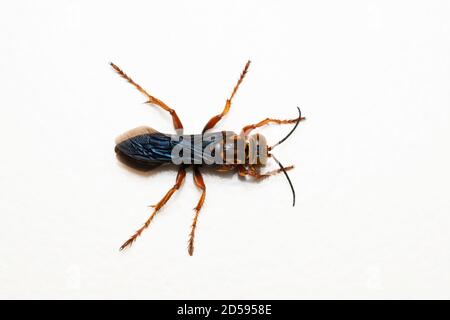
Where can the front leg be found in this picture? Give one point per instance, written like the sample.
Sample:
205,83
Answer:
247,129
255,172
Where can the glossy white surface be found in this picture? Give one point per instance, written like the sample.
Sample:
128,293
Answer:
372,160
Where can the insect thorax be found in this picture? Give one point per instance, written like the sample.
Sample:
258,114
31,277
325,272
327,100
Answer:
219,148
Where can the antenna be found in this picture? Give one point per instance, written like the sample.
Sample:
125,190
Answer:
289,180
293,129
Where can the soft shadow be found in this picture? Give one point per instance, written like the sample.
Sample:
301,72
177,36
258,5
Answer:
146,170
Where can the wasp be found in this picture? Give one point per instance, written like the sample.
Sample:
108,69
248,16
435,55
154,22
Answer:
145,148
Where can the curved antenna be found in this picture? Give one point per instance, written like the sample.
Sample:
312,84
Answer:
289,180
293,129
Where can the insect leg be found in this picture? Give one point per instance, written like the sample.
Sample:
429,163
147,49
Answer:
226,168
247,129
180,178
213,121
198,180
151,99
243,171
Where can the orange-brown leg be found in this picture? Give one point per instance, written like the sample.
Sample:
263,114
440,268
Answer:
198,179
255,173
247,129
213,121
180,178
226,168
151,99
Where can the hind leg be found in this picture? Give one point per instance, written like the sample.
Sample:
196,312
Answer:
180,178
152,100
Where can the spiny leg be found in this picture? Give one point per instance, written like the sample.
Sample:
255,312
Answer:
247,129
255,173
213,121
151,99
180,178
198,180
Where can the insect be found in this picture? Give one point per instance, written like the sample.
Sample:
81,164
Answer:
145,148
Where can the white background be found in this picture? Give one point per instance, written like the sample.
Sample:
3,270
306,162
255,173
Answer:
372,160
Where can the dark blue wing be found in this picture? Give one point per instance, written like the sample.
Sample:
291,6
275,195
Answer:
154,148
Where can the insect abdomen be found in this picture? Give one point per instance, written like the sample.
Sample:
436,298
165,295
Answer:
146,146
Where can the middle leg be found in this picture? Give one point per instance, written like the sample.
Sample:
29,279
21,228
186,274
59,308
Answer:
213,121
198,180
